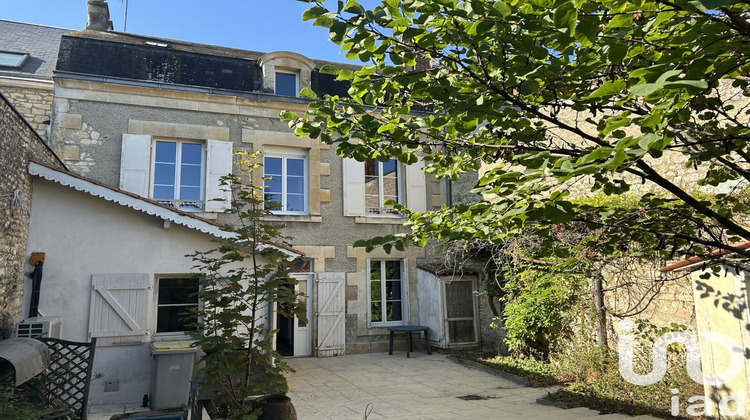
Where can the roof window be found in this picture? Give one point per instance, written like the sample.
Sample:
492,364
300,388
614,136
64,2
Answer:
12,59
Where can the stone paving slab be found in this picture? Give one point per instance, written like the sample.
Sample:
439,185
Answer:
430,387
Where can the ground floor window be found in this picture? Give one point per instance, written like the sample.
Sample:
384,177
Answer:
386,292
178,297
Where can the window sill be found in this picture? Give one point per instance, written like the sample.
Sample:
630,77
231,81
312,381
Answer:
380,220
294,218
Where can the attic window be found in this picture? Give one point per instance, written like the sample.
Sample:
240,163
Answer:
12,59
157,44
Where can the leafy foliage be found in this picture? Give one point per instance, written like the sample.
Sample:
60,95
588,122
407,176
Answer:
240,281
553,95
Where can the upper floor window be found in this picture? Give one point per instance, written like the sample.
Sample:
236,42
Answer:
382,182
179,173
177,298
369,184
286,83
285,182
11,59
386,293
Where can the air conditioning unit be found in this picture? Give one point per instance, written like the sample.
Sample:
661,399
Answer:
40,326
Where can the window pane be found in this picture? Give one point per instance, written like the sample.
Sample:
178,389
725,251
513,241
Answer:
371,167
273,185
166,151
459,298
375,291
295,167
273,199
192,153
375,270
190,193
286,84
375,312
163,192
389,168
174,318
178,291
295,203
190,176
295,185
9,59
164,173
393,310
272,166
393,270
461,331
393,290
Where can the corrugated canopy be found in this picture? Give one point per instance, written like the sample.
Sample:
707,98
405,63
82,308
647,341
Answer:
29,357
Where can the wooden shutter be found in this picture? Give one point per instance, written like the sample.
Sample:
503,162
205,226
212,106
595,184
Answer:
120,309
135,162
354,187
218,164
330,311
416,190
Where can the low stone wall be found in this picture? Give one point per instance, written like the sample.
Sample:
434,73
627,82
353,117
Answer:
34,104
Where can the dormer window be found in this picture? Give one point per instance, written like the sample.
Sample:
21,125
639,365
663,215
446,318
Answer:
12,59
286,83
285,73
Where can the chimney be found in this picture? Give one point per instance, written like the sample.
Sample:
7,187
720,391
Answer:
99,16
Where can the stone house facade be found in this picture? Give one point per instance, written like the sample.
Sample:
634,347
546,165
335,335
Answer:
18,143
161,118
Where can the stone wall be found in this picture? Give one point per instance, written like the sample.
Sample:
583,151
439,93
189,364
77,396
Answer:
34,104
18,144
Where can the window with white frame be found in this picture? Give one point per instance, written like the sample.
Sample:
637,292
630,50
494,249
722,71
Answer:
177,298
178,170
286,83
184,174
382,182
387,280
286,180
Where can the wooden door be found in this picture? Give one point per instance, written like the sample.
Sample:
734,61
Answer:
330,314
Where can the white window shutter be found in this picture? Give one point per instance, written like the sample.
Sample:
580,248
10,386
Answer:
218,164
354,187
416,189
135,162
120,308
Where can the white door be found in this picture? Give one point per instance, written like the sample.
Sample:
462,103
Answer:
329,312
302,337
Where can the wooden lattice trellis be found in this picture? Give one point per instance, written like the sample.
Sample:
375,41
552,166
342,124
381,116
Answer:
65,383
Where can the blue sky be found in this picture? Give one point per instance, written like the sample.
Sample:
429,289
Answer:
259,25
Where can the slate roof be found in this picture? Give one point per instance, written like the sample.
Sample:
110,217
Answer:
40,42
126,56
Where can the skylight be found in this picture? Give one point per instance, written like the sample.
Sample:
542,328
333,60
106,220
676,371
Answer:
12,59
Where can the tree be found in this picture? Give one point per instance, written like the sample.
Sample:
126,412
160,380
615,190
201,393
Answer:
240,281
553,96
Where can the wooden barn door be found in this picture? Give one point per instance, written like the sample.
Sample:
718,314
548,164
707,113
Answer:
330,314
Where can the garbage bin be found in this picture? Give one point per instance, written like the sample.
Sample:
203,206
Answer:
171,374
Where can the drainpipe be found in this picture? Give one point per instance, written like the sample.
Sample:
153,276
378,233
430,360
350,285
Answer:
37,260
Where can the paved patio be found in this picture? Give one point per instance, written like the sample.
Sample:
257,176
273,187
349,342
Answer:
379,386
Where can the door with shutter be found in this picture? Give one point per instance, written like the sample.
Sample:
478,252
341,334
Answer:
120,308
330,312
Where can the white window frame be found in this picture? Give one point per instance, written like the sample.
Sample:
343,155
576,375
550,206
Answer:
381,210
184,205
157,288
404,293
284,155
289,72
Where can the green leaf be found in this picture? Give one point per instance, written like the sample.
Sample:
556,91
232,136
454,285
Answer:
502,8
609,88
566,17
308,93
